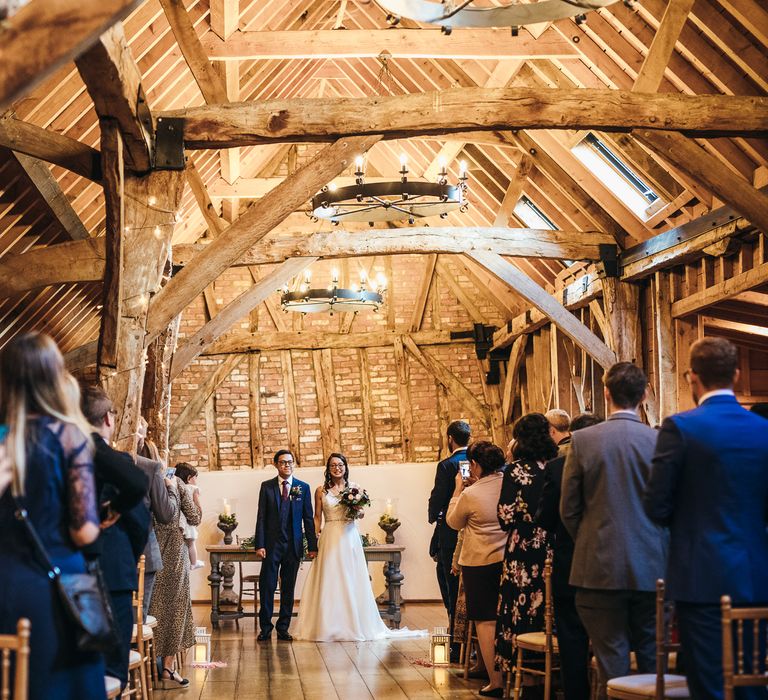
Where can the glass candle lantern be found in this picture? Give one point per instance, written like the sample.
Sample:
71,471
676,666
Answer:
202,645
440,647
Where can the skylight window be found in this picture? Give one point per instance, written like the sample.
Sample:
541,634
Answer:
532,216
613,172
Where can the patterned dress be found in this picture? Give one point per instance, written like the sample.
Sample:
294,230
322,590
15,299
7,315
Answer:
171,600
521,598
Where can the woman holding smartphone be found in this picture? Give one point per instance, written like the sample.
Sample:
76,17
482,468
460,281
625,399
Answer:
473,508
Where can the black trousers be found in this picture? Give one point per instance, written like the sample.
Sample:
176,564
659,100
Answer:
617,622
282,562
116,661
448,583
573,642
701,637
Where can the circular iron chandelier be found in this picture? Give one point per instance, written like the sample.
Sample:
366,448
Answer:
458,14
307,300
391,201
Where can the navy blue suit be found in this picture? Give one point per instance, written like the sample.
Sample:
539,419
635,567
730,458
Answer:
280,529
709,484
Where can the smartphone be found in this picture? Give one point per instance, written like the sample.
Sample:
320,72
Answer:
3,432
464,468
170,472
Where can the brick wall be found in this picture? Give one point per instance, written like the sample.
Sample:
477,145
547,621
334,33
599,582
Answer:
232,396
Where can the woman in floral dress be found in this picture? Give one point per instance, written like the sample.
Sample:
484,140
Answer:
521,599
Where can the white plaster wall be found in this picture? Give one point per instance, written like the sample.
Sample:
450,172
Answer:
408,485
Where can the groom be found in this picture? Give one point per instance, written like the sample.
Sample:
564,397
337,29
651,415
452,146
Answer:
285,503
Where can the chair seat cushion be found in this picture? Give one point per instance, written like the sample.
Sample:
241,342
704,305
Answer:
534,641
251,578
134,658
147,633
644,685
112,686
151,621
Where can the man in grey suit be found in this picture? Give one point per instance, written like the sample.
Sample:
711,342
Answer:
619,552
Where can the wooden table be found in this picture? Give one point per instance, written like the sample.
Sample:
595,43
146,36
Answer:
224,556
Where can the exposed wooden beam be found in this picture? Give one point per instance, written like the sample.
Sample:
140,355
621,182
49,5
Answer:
735,326
478,44
461,109
688,156
45,34
449,380
216,225
50,147
113,81
366,397
404,398
254,412
664,344
420,303
317,340
459,292
257,187
50,190
233,312
516,355
548,305
328,409
197,401
721,291
250,228
656,60
209,82
514,190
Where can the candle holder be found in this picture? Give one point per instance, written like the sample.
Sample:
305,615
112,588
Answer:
227,524
389,524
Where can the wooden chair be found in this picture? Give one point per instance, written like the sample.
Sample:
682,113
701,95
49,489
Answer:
737,674
112,686
659,685
249,586
465,652
18,643
140,668
541,642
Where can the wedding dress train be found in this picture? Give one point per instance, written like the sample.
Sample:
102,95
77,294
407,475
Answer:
337,603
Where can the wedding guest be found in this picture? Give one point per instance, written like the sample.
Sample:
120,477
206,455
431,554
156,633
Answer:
473,508
619,553
559,427
188,476
521,603
444,538
121,487
171,600
710,485
572,638
52,478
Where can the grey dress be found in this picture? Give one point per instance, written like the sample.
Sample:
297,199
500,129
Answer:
171,600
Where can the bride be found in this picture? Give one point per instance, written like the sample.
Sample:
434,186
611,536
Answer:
337,603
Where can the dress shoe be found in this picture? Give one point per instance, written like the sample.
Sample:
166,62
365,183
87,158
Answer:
285,636
492,693
263,636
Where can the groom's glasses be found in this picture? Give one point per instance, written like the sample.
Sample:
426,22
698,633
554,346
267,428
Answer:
285,462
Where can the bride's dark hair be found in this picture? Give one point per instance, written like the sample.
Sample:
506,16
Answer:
328,478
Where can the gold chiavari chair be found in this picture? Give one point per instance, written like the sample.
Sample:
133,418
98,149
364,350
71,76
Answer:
743,666
659,685
142,658
541,642
18,643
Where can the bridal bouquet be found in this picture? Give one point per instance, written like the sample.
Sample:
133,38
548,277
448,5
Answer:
354,499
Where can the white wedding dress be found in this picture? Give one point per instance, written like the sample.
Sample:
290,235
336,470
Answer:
337,603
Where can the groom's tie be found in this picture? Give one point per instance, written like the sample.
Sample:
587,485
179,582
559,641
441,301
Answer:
285,491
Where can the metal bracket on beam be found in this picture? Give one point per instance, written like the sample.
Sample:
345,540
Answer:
169,144
609,259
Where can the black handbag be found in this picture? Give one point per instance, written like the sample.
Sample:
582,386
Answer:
83,596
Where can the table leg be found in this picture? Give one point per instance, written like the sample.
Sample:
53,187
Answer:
215,582
394,581
228,595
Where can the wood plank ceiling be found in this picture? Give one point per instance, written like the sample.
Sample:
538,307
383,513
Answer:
723,48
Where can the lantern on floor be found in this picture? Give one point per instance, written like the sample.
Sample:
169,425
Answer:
202,645
440,647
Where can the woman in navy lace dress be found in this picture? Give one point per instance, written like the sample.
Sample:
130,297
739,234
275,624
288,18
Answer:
52,475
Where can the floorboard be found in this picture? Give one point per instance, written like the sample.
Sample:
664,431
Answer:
383,670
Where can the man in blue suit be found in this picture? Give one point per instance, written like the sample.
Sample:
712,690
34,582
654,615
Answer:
709,483
284,519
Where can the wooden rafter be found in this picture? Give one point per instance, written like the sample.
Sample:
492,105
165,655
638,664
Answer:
406,116
45,34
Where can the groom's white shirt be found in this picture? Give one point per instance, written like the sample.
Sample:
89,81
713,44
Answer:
280,481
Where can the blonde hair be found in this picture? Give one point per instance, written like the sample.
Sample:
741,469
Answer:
34,381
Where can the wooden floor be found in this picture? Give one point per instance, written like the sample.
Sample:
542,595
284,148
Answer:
351,671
